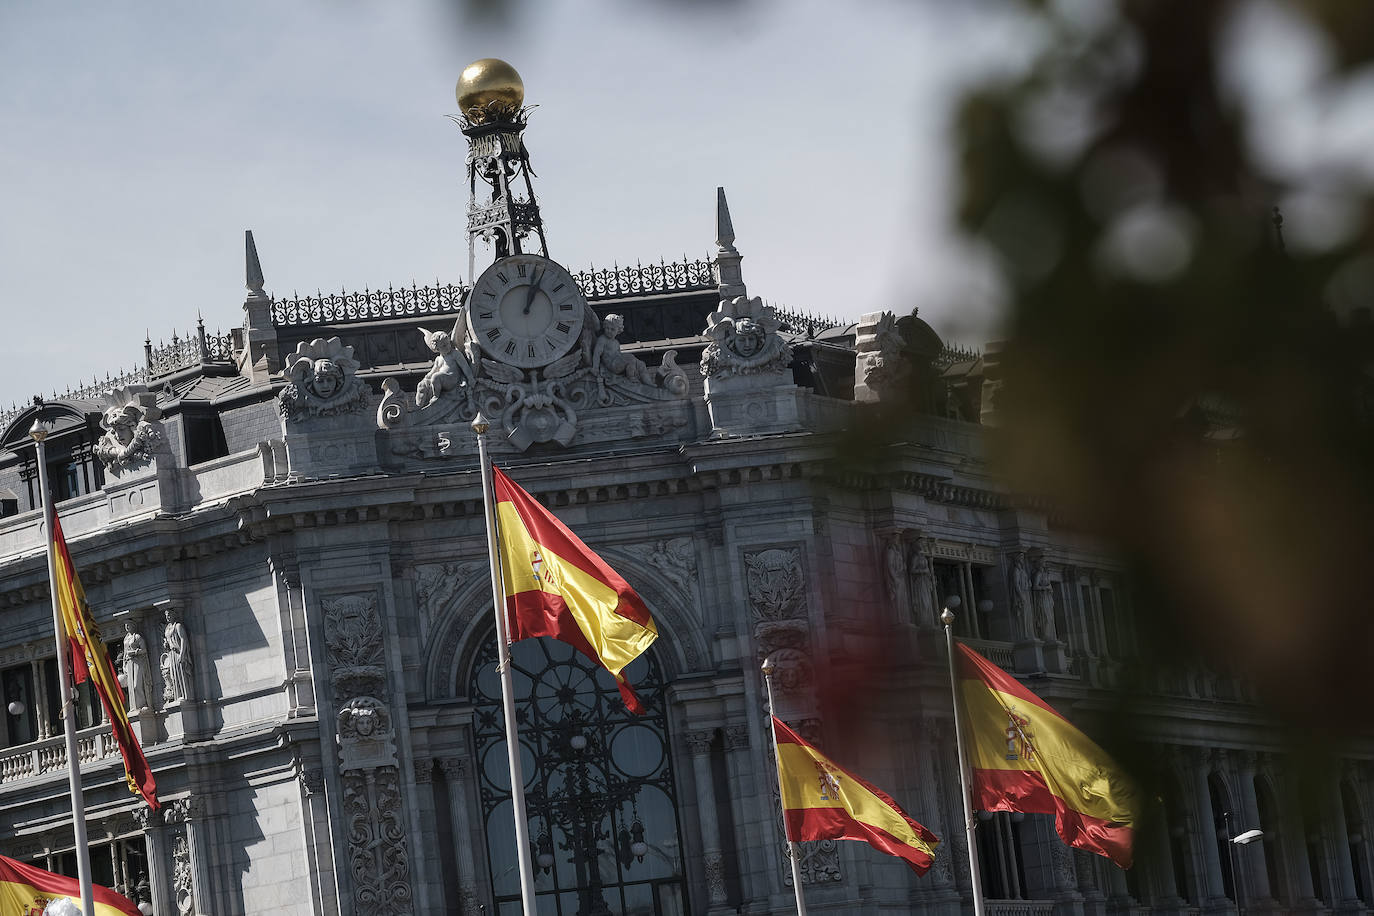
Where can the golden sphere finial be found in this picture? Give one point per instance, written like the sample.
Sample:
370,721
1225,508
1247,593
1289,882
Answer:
489,88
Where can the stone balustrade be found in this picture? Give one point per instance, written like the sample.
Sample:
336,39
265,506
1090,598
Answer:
40,758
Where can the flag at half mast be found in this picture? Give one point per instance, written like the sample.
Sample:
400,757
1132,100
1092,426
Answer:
821,800
1026,757
556,586
25,890
90,660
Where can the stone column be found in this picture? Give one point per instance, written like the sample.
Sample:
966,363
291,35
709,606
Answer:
1211,887
40,700
300,685
190,855
458,774
699,743
1334,843
749,799
933,732
154,836
1250,857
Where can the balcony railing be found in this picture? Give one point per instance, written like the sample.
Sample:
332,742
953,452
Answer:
1019,907
39,758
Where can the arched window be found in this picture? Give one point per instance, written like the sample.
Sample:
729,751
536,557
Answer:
1177,824
1269,823
1221,811
999,855
599,784
1355,840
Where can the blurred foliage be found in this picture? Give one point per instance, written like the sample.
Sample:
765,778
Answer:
1176,380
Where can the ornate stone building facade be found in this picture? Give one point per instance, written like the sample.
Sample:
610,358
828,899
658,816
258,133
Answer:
281,532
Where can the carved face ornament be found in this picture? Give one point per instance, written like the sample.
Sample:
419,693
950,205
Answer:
327,378
749,337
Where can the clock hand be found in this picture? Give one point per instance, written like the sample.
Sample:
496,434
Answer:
529,296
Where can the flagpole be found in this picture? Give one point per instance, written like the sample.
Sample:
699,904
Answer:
768,668
480,425
38,432
947,618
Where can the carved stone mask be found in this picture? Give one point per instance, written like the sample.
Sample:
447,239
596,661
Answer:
327,378
120,421
749,337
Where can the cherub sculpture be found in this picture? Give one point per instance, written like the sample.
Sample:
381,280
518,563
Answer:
607,356
451,365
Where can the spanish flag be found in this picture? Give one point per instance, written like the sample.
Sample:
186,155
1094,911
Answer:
89,659
26,891
821,800
555,586
1026,757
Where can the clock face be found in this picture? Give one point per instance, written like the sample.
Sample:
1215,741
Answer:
525,310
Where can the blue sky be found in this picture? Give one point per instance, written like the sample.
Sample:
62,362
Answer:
141,142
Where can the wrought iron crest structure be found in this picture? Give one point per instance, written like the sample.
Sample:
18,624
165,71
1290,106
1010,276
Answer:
600,785
369,305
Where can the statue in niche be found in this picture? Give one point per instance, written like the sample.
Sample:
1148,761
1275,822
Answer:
1042,597
1021,592
137,675
176,659
132,433
451,367
922,585
895,565
324,381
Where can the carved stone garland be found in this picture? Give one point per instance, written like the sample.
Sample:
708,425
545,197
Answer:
369,774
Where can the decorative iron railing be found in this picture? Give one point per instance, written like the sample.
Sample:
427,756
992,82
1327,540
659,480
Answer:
187,351
952,354
805,323
369,305
647,279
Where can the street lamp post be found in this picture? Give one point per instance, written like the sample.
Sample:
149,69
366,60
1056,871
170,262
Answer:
1232,841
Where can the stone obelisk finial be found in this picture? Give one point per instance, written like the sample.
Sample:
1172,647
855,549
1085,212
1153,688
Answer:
727,256
253,267
260,356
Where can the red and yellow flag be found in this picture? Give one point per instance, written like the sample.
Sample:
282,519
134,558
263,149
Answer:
26,891
90,660
821,800
556,586
1026,757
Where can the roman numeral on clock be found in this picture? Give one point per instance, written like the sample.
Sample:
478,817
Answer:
484,315
565,306
500,275
531,351
558,287
493,334
520,269
563,327
510,348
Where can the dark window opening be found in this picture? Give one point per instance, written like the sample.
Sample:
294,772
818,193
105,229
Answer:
204,438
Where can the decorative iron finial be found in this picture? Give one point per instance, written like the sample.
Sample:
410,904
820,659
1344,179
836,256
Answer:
1278,231
252,266
725,230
